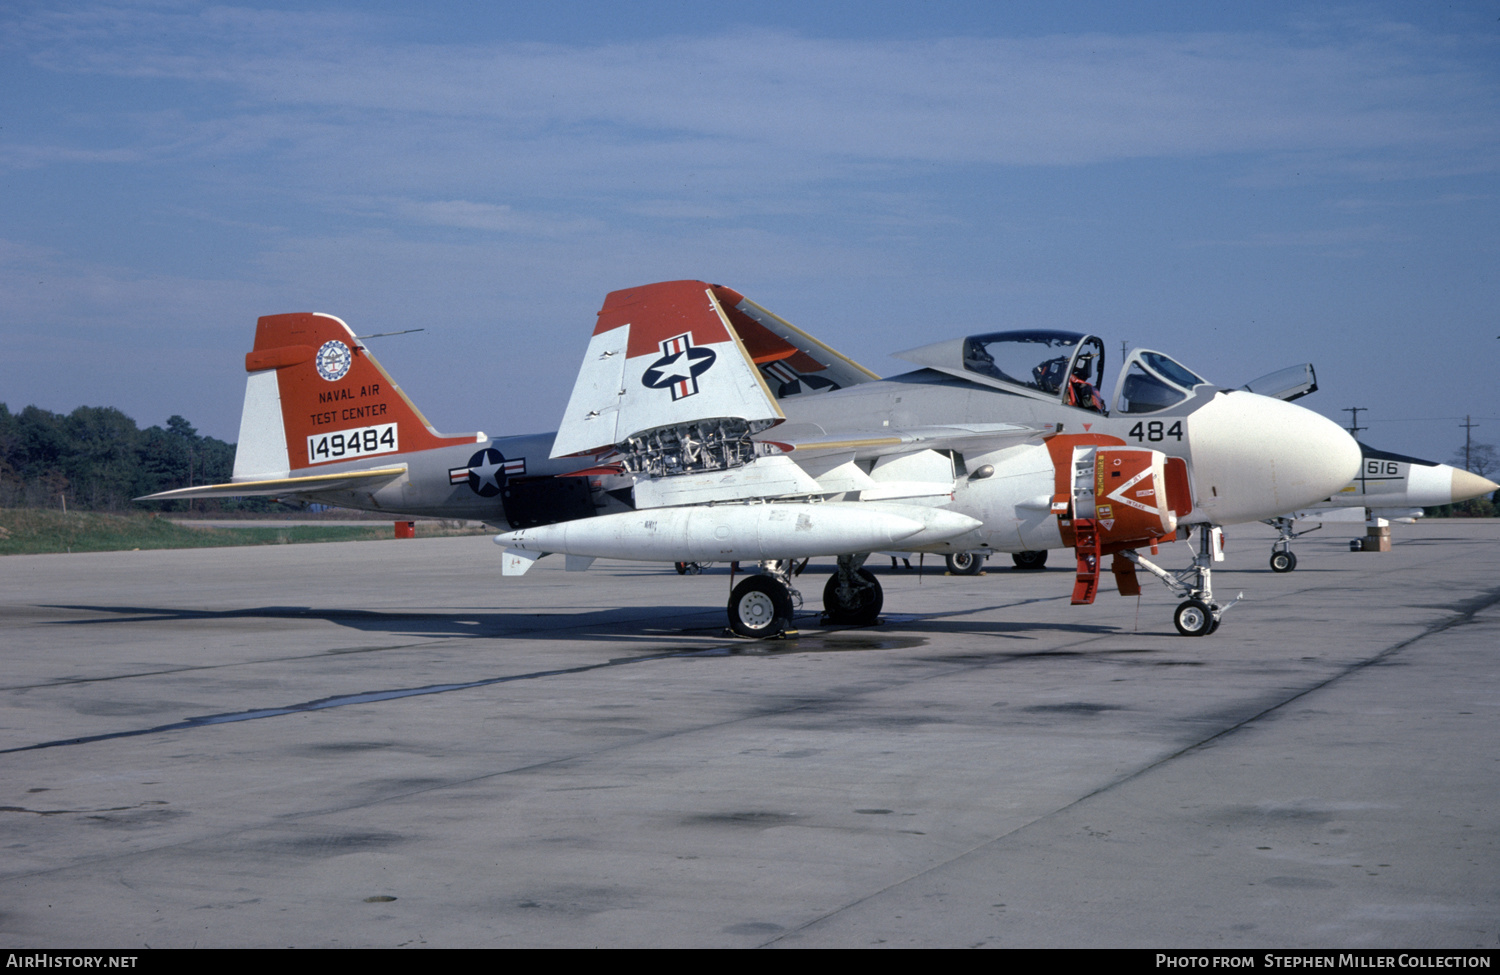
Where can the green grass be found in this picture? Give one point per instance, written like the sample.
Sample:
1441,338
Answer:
34,531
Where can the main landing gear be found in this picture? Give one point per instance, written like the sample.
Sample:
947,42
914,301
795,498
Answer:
853,596
1030,561
964,563
1282,558
762,605
1198,615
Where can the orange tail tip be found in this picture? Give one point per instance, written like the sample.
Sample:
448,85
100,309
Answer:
316,396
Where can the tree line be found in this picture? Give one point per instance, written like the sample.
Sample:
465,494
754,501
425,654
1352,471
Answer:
97,459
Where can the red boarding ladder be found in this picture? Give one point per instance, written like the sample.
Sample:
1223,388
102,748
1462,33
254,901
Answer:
1086,547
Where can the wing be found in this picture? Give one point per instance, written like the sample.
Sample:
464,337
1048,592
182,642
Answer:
792,362
662,356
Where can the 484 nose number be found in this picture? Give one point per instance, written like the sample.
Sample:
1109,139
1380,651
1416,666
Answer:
1156,431
360,442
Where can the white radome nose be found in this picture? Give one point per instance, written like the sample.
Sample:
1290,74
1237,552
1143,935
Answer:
1254,457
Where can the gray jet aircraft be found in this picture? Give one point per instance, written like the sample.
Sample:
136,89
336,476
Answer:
743,438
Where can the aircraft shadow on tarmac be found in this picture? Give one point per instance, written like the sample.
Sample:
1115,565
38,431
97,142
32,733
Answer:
615,623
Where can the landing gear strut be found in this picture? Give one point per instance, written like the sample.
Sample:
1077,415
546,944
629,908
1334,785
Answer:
1198,615
762,605
1282,558
853,596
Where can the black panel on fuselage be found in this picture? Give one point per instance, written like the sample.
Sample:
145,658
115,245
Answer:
547,501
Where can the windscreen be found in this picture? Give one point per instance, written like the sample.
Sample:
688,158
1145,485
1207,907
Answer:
1155,382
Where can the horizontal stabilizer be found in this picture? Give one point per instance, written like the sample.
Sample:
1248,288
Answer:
283,486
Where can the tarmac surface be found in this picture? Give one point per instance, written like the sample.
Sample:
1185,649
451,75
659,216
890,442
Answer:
388,744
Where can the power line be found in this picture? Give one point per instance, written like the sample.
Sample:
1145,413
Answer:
1468,426
1424,419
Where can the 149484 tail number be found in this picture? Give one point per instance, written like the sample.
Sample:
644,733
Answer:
345,444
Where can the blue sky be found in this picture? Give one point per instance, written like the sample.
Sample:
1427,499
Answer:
1243,186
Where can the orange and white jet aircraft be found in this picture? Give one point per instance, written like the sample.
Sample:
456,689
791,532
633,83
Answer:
702,427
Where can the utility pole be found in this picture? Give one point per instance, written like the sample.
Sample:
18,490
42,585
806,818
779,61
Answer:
1468,426
1354,426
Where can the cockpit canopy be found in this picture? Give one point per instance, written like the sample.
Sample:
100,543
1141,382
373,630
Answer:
1152,381
1059,365
1040,360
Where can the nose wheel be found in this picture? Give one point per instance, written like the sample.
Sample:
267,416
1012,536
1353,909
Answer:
1194,618
1282,558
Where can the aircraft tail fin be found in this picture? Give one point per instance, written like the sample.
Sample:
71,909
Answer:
315,396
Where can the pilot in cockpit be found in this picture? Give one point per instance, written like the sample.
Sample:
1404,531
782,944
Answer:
1081,392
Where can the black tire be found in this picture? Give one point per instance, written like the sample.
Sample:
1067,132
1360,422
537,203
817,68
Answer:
759,607
1030,561
682,569
965,563
863,610
1194,618
1283,561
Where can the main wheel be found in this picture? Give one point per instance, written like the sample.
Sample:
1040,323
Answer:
859,607
1030,560
964,563
759,607
682,568
1283,561
1194,618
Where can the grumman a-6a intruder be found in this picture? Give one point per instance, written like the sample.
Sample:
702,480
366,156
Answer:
742,438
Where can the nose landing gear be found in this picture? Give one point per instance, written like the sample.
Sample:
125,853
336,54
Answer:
1198,615
1282,558
1194,618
